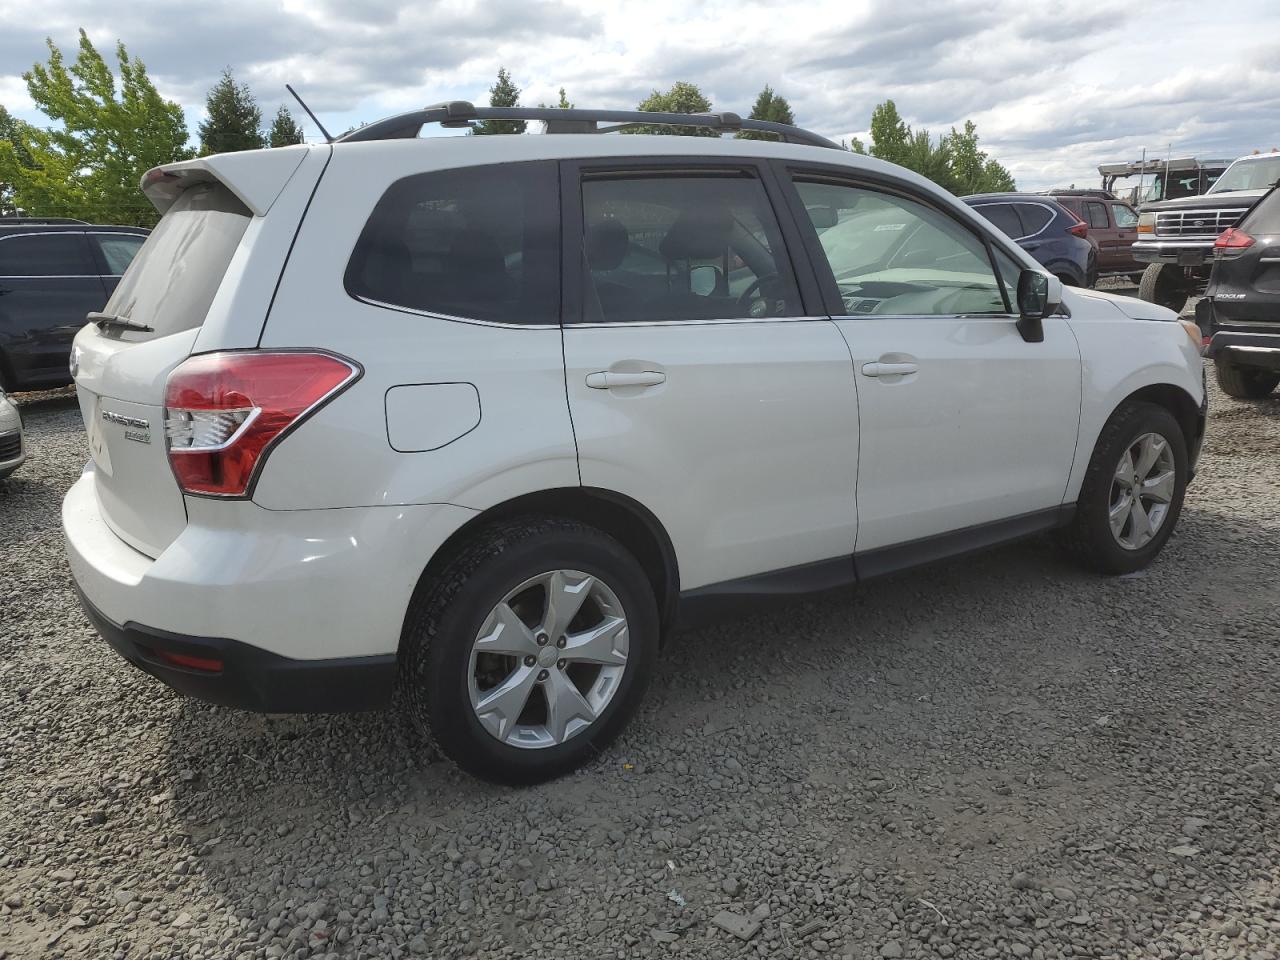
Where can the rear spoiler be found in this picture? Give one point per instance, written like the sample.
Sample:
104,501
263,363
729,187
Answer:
256,177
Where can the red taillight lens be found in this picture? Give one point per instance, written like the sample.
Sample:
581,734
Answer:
225,411
1079,229
1233,239
207,664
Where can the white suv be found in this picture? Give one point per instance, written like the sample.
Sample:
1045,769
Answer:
485,417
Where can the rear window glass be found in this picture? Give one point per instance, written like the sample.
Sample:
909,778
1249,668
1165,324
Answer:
172,281
1034,218
478,243
45,255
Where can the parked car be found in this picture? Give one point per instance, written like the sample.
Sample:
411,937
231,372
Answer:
1113,226
1176,237
52,273
1240,312
13,449
1047,230
489,416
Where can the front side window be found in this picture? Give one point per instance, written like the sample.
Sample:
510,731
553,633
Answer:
1125,217
118,250
892,255
683,247
478,243
45,255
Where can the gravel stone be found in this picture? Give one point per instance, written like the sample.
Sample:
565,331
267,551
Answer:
930,739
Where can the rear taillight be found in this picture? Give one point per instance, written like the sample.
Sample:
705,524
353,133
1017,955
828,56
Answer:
1079,229
224,412
1233,239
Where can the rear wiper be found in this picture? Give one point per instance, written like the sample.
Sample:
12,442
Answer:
104,320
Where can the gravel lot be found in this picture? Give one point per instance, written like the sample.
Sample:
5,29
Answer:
998,757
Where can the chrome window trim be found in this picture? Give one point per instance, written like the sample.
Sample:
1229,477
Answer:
455,319
1030,203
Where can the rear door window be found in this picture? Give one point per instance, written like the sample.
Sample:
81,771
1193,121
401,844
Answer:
118,250
1034,218
1003,216
172,281
480,243
46,255
1096,215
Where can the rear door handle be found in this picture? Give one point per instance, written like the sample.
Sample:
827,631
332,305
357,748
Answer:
881,369
608,379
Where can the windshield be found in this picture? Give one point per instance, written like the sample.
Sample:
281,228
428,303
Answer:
1250,173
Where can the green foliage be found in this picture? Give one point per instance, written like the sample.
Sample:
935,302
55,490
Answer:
954,162
971,168
504,93
768,106
854,146
681,98
233,119
14,137
563,103
284,130
91,165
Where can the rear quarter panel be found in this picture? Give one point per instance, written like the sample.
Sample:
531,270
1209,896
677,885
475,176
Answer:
1119,356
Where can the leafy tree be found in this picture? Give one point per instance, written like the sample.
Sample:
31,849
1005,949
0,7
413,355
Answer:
768,106
284,130
927,158
972,170
854,146
681,98
563,103
504,93
234,120
14,136
108,137
889,133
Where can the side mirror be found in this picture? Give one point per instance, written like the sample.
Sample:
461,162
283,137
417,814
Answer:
1039,295
823,217
705,280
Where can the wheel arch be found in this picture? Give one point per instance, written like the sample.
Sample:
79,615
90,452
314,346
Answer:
623,518
1174,399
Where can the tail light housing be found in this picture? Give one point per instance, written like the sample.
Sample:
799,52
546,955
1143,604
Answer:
225,412
1233,238
1079,228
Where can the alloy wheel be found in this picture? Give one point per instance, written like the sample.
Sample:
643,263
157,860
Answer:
1142,489
548,659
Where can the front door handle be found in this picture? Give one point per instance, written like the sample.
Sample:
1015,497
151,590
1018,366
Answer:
881,369
608,379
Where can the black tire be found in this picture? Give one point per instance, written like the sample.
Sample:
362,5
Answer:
1089,537
448,612
1067,280
1246,383
1164,284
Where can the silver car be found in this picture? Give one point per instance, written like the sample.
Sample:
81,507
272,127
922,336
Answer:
13,450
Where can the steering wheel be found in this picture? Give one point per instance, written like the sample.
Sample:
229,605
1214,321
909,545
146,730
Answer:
749,294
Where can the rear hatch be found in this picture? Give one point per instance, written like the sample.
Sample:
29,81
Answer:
1245,286
120,372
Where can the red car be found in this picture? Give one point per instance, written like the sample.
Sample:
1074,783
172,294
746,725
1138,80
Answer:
1113,226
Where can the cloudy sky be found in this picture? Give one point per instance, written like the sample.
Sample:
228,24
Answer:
1055,87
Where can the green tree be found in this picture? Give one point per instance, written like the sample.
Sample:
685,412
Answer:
889,132
854,145
233,118
108,136
14,136
768,106
504,93
681,98
284,130
972,170
563,103
927,158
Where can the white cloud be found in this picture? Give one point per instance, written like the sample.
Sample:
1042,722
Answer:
1054,89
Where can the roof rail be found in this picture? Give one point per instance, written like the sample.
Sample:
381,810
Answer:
31,221
460,113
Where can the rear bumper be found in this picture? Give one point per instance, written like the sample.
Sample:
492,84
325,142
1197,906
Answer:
303,608
249,677
1246,347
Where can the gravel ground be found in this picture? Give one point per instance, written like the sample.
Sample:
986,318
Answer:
1000,757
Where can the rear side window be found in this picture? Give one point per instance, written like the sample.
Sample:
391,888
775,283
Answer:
478,243
1097,215
1034,218
172,281
1003,216
45,255
118,250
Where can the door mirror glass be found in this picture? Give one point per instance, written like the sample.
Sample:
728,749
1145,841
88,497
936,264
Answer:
706,280
1039,295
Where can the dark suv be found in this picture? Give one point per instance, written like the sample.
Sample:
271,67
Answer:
1046,229
53,272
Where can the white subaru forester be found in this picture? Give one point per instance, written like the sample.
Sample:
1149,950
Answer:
485,417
